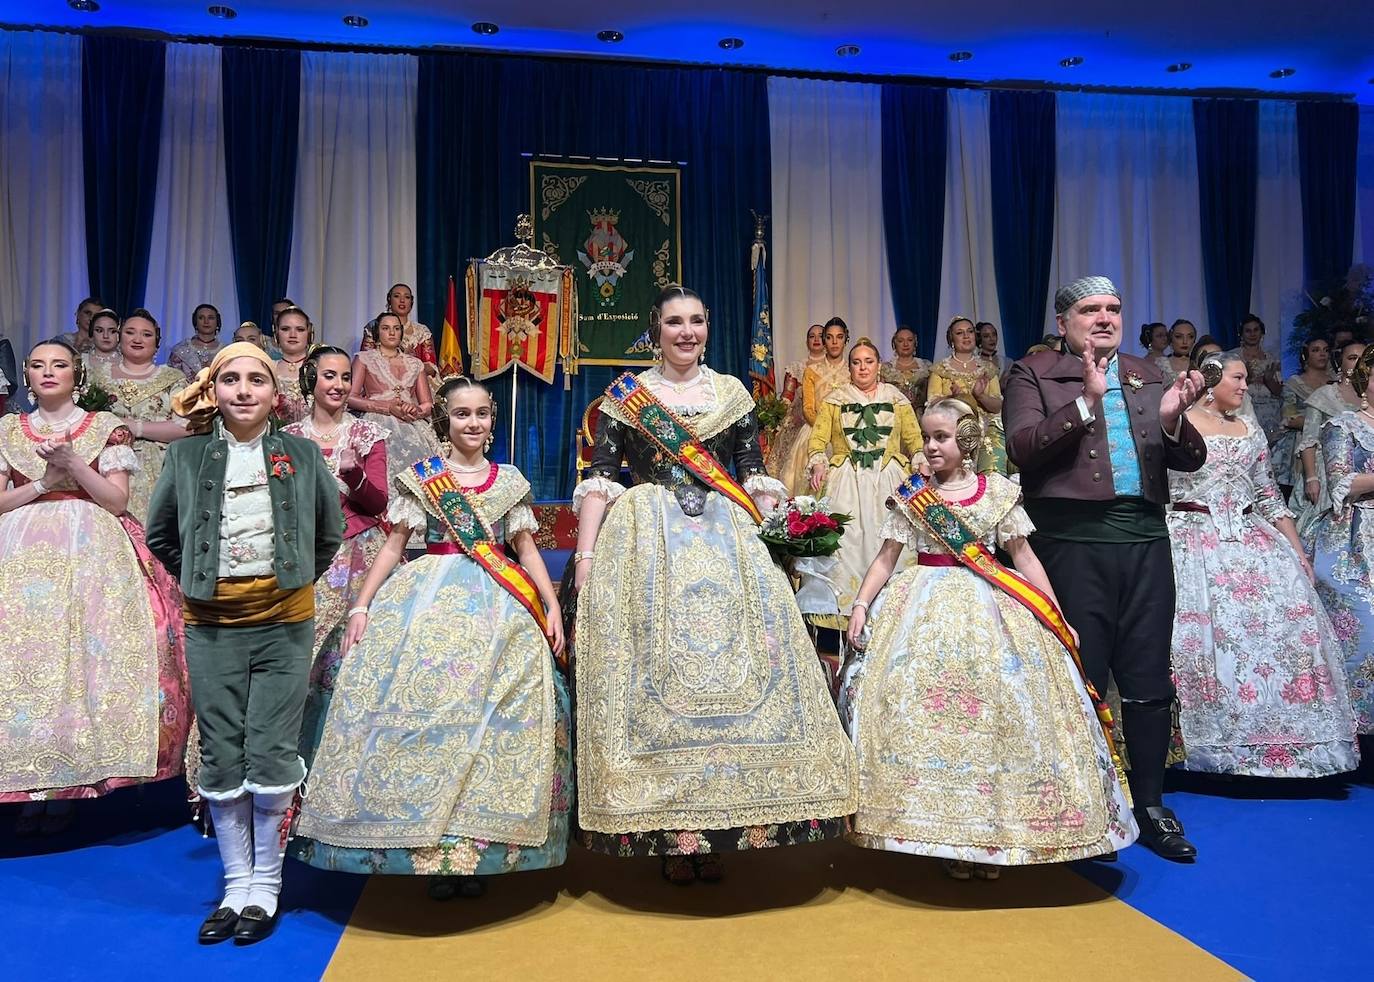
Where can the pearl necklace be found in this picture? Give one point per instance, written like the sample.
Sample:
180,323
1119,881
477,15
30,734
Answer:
124,367
43,425
954,487
680,387
481,468
965,365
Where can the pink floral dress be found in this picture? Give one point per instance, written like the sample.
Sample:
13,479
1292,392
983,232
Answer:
1260,679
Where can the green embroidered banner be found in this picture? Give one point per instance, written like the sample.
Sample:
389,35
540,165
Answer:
620,228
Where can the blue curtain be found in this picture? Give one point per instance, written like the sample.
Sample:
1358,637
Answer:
915,135
1022,142
1228,171
122,82
1328,142
262,108
479,115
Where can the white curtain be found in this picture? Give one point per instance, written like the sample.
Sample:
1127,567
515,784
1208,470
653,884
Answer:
1126,206
829,257
43,272
1364,189
354,232
1276,293
968,279
191,261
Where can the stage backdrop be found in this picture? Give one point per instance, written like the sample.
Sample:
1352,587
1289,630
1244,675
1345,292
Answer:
620,228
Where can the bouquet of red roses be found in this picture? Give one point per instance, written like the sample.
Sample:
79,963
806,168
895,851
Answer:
802,527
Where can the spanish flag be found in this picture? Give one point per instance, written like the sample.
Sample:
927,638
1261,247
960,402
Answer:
450,356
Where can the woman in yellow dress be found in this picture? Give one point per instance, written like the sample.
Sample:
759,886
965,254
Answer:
143,401
862,447
964,375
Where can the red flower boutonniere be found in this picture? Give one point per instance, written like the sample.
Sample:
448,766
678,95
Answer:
1134,381
281,466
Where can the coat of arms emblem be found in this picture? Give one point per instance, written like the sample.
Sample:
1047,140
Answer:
605,255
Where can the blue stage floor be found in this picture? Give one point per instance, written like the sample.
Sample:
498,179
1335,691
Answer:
1281,891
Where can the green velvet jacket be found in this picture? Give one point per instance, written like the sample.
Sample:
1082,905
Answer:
184,513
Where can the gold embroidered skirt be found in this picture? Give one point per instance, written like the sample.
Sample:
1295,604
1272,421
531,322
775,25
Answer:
700,701
976,738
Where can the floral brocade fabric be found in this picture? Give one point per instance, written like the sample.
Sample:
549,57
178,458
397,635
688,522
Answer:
1260,679
975,735
1343,542
442,720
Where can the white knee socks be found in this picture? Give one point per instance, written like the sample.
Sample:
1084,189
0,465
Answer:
234,833
269,812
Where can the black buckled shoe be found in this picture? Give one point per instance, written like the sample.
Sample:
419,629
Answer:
219,926
1162,833
255,925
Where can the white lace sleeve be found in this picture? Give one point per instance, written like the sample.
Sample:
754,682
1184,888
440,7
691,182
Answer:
1016,525
118,457
405,510
611,489
760,484
897,528
521,518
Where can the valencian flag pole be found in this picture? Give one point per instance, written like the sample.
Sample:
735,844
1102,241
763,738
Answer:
450,356
761,338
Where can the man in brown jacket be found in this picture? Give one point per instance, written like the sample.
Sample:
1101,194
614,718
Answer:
1093,432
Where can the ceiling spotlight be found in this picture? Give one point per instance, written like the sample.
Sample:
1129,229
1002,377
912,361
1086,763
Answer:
85,6
731,44
222,12
486,28
1071,62
610,37
961,56
1181,66
847,50
355,20
1283,72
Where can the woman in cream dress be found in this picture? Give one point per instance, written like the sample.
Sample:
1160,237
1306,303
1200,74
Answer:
704,724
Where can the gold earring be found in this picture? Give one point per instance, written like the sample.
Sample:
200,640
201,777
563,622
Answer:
1210,398
486,447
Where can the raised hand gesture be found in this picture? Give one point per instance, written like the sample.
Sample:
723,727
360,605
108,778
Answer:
1178,398
1094,377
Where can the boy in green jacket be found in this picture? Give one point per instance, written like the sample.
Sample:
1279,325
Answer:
248,519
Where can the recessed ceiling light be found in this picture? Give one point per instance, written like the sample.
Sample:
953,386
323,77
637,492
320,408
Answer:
961,56
355,20
1073,61
610,37
1282,72
847,50
731,44
485,27
1181,66
85,6
222,12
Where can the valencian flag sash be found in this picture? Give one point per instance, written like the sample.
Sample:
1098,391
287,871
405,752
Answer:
471,535
665,431
925,503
